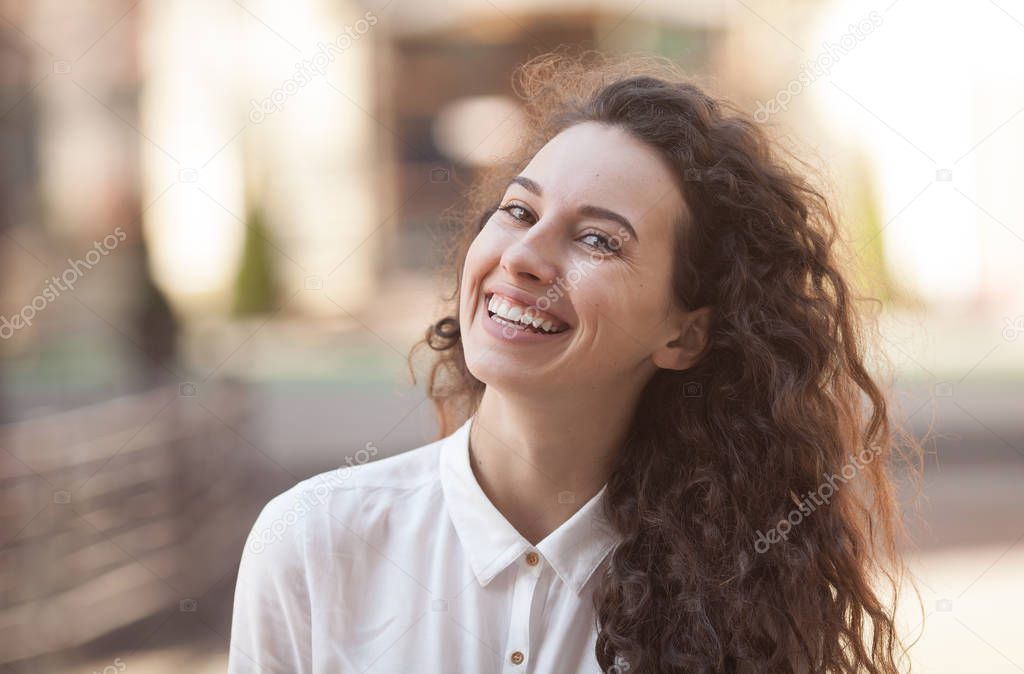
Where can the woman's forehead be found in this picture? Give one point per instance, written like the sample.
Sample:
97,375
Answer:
602,165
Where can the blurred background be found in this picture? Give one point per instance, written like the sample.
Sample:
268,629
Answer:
221,223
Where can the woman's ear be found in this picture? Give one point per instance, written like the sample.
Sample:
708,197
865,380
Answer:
688,344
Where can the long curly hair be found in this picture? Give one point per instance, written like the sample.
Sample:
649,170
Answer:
755,493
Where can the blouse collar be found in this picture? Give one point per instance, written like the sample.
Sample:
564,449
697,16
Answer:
575,549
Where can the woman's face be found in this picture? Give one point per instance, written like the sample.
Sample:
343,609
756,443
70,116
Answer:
583,238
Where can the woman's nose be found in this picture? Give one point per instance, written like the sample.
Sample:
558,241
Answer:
528,259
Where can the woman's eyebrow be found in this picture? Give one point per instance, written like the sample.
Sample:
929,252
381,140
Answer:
585,210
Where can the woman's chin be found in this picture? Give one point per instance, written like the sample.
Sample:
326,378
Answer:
505,372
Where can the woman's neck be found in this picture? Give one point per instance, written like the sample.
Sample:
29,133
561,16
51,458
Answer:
540,461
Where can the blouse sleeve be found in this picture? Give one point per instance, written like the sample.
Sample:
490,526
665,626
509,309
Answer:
271,625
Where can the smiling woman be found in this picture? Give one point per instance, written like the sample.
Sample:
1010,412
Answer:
712,376
652,357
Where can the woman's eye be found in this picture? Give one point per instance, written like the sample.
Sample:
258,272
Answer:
603,242
516,211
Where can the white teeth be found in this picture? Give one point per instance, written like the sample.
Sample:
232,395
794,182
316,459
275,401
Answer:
518,314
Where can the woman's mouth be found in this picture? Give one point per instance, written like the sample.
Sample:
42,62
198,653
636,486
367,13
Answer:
514,316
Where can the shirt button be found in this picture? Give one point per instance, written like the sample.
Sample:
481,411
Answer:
517,658
532,558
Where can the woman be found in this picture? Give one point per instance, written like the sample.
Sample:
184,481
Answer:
660,448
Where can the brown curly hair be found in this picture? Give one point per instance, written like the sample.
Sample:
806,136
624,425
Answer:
780,405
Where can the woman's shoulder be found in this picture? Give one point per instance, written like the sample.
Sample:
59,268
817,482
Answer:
361,485
365,469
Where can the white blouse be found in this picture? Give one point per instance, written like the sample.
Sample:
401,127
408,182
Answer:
404,565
